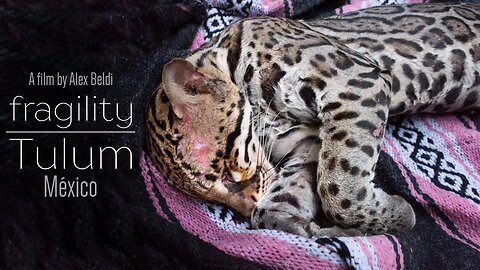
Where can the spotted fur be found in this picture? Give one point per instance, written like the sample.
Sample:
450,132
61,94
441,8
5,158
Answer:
282,120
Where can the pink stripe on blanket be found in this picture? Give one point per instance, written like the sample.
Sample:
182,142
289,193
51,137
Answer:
463,214
385,252
244,243
399,251
362,4
272,8
198,41
366,250
375,252
149,186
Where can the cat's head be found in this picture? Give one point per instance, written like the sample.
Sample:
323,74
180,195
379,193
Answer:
201,136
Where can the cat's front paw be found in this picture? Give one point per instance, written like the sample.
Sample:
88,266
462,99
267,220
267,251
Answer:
334,231
284,221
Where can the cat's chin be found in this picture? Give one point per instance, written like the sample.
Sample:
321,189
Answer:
242,201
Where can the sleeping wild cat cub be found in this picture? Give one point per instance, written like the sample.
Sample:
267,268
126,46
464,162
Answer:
283,120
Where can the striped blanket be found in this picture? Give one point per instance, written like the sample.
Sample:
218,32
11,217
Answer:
432,161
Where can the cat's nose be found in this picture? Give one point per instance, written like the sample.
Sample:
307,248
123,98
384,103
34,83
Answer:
245,201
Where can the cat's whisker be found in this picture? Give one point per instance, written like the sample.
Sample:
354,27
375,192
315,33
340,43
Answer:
270,150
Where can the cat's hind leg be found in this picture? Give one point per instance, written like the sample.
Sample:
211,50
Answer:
292,205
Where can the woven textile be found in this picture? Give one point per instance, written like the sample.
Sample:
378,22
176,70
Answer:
432,161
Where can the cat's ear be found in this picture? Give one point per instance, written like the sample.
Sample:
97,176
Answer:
183,84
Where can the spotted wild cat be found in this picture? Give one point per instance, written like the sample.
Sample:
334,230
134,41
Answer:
282,120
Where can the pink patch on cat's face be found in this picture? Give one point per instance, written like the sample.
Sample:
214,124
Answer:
200,151
200,148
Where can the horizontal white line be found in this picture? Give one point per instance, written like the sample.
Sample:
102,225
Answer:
70,131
